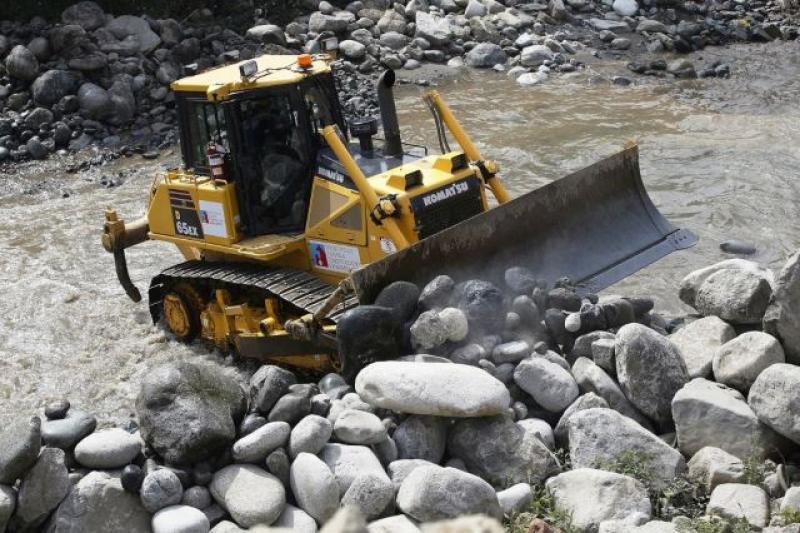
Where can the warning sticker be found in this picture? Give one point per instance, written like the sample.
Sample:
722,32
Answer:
336,257
212,216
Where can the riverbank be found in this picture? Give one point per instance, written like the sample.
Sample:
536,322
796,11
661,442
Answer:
97,79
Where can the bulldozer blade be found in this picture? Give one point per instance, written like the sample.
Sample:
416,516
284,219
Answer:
596,226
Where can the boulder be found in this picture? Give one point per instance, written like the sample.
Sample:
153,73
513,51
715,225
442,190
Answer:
309,435
711,414
108,449
651,26
625,8
589,400
49,88
714,466
782,318
20,443
314,487
650,370
593,379
736,500
535,55
160,488
320,23
22,64
267,385
500,451
515,499
267,34
86,14
188,412
540,428
550,385
67,40
775,400
738,362
42,489
791,500
296,520
435,30
399,296
95,101
136,28
599,436
421,437
486,55
371,494
123,103
359,427
736,290
180,519
438,292
352,50
698,342
99,503
249,494
347,462
435,493
423,389
256,446
365,334
66,432
393,524
592,496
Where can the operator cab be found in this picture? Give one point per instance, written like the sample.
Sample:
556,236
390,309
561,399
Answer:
269,139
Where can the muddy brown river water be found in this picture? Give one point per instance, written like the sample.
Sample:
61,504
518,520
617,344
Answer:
720,157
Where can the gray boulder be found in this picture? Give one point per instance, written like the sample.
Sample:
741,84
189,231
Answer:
108,449
699,341
434,493
428,331
95,101
535,55
515,499
393,524
66,432
711,414
296,520
550,385
735,290
435,30
180,519
314,487
353,50
267,34
249,494
319,23
22,64
500,451
348,462
735,500
137,29
421,437
123,103
592,496
599,436
400,469
782,318
650,370
593,379
309,435
267,385
188,412
353,426
20,443
8,504
486,55
738,362
775,400
540,428
160,488
714,466
256,446
99,503
371,494
53,85
42,490
86,14
589,400
423,389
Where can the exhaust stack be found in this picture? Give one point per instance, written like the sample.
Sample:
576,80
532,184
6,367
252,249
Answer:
393,147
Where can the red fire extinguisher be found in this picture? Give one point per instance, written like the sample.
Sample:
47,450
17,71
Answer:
215,154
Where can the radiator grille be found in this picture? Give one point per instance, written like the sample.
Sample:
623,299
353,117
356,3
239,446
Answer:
449,205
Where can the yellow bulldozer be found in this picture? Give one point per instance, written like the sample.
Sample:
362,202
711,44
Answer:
288,216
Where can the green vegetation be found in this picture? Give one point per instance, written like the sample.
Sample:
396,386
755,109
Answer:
789,516
715,524
543,506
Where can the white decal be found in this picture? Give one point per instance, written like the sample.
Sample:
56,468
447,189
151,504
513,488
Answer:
444,194
186,229
387,245
336,257
212,217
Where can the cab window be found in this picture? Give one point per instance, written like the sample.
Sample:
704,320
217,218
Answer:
206,123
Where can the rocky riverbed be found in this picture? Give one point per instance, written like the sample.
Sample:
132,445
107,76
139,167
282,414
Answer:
97,78
524,406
